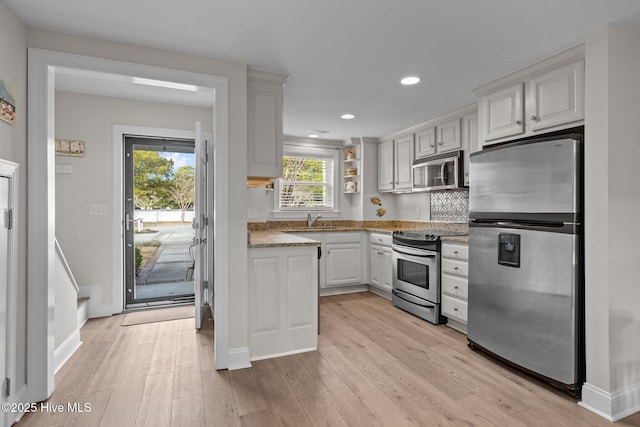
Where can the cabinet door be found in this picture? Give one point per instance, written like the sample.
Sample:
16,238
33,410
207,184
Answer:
343,264
377,272
557,97
385,166
264,143
448,136
502,113
425,143
403,153
471,141
387,263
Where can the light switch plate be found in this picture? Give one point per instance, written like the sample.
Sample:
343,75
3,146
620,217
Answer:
98,209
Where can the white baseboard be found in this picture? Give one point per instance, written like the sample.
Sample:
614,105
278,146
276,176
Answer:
66,350
611,406
287,353
380,292
238,358
337,290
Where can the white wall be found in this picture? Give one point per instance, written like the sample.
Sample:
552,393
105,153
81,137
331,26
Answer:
612,201
237,205
13,147
408,205
88,239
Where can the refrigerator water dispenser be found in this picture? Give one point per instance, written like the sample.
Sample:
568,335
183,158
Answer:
509,249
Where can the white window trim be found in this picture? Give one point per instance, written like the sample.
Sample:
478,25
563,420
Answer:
327,152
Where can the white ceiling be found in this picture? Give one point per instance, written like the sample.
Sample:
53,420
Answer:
347,55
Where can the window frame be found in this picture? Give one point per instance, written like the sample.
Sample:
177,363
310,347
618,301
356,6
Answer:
325,153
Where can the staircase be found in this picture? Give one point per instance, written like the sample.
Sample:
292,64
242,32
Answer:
70,311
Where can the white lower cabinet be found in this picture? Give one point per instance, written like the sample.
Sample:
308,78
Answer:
343,263
381,261
454,278
283,300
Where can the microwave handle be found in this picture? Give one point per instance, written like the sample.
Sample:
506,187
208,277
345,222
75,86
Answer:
443,173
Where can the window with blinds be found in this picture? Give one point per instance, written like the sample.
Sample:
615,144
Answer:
307,182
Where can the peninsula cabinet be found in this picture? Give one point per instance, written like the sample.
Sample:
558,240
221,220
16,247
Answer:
283,300
549,98
264,124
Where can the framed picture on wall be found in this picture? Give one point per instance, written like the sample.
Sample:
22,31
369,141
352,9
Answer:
7,102
69,148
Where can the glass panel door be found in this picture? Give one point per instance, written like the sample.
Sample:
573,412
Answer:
159,238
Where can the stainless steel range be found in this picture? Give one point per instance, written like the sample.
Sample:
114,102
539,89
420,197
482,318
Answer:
416,272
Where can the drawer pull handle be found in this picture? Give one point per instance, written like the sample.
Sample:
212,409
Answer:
455,309
455,252
455,287
455,268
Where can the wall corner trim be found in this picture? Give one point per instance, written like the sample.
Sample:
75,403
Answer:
611,406
238,358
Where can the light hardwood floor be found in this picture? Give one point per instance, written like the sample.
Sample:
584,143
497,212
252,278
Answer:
376,365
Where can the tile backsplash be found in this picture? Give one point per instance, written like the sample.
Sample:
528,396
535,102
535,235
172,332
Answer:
452,206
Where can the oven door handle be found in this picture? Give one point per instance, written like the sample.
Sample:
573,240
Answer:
412,299
415,252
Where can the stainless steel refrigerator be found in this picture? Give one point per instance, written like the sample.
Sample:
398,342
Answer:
526,287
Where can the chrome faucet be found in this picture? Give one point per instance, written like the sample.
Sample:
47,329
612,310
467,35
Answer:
311,221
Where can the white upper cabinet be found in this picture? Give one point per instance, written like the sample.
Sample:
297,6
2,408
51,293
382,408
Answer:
545,97
557,97
448,136
385,166
403,154
264,124
425,144
503,112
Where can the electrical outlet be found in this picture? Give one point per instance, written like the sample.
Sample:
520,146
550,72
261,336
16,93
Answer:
417,213
252,213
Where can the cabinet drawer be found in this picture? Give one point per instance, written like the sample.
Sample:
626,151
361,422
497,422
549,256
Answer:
455,286
450,250
455,308
381,239
459,268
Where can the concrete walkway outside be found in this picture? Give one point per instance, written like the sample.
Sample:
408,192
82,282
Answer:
167,273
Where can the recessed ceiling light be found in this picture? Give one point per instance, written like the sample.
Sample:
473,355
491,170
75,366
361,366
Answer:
313,135
407,81
348,116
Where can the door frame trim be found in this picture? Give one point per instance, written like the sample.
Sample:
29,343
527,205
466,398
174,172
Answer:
118,133
41,201
11,170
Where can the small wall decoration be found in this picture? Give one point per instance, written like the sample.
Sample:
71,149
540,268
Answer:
69,148
7,103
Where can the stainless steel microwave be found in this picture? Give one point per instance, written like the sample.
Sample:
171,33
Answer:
441,172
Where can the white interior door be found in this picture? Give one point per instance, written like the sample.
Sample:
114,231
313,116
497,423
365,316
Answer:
4,283
200,225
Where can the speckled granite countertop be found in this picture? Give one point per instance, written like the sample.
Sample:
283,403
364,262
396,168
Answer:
275,233
274,239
